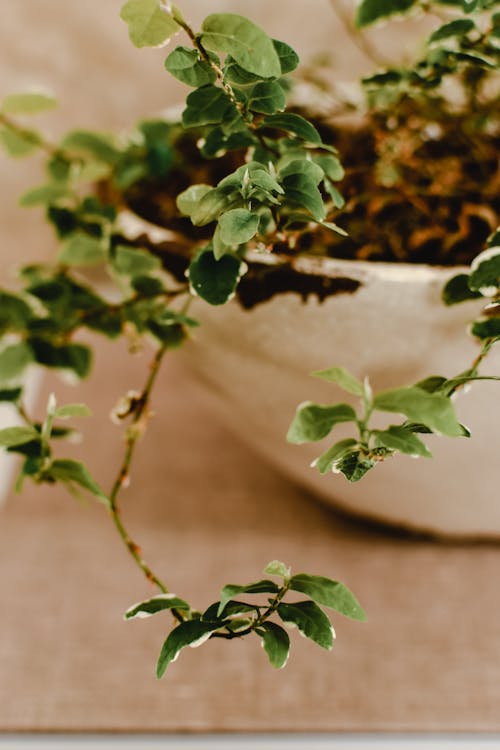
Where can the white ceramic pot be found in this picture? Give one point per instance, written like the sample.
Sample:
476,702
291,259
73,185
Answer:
392,328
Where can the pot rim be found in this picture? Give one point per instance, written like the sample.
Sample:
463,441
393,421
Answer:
312,265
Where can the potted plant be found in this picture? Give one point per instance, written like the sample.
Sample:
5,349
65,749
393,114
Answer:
308,239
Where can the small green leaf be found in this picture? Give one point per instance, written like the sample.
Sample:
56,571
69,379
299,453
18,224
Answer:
458,27
431,384
147,286
190,633
186,65
188,200
353,465
400,439
72,410
208,105
457,290
432,409
303,166
288,58
342,378
19,144
310,620
485,272
326,462
486,329
314,421
302,191
158,603
11,394
277,568
14,360
148,24
331,166
370,11
246,42
11,436
43,195
27,103
267,97
233,589
214,280
75,357
212,204
74,472
81,250
99,145
295,124
15,314
276,643
238,226
230,610
329,593
131,261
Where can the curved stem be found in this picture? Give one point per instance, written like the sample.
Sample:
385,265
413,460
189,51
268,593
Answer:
134,432
32,137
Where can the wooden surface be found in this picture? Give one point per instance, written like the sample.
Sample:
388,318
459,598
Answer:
207,511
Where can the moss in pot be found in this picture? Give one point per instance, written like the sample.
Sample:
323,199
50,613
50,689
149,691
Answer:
262,191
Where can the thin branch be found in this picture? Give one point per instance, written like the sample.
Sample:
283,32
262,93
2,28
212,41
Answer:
360,41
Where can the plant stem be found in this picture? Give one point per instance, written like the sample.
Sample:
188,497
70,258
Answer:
360,41
133,433
31,137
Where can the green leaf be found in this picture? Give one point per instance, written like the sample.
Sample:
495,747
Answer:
314,421
432,383
432,409
81,250
19,144
261,179
186,65
27,103
295,124
400,439
11,436
131,261
326,462
87,142
75,357
276,643
342,378
208,105
14,359
457,290
370,11
158,603
486,329
458,27
303,166
214,280
288,58
331,166
190,633
74,472
238,226
329,593
10,394
147,286
72,410
353,465
485,272
43,195
232,589
267,97
302,191
188,200
277,568
334,228
213,204
14,312
148,25
310,620
246,42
